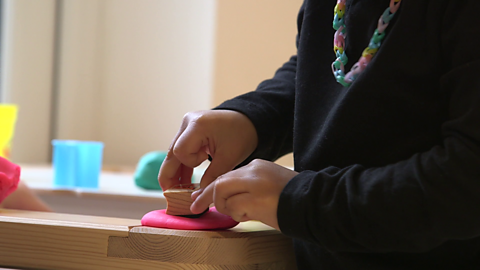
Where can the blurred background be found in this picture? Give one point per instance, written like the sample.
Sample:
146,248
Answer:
125,72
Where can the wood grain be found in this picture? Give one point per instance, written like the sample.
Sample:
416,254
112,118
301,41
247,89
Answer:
179,199
59,241
241,247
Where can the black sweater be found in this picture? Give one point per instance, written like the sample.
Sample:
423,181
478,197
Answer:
389,167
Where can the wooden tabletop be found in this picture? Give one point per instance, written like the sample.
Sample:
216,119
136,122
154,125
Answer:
61,241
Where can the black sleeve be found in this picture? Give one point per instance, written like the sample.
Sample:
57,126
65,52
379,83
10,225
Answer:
416,204
270,108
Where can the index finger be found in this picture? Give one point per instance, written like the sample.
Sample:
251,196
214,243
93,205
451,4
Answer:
220,190
170,171
203,200
168,174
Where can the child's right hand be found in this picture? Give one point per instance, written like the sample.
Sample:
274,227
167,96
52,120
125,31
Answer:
229,137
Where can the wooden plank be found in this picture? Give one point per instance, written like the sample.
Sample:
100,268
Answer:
60,241
67,220
250,244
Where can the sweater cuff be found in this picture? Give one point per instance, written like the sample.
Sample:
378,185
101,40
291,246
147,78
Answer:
293,206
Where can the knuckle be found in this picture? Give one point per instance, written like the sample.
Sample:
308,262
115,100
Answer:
255,161
170,153
183,156
255,164
190,117
219,179
217,187
200,117
185,120
219,204
177,151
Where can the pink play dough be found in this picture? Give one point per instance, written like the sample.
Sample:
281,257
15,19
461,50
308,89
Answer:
9,177
212,220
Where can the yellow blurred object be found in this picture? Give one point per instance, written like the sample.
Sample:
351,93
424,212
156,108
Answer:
8,117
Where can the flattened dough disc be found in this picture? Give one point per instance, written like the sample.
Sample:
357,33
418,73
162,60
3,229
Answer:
212,220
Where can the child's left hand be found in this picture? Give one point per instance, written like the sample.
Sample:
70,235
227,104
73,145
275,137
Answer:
248,193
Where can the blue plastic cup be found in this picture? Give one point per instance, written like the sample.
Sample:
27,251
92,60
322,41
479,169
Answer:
76,163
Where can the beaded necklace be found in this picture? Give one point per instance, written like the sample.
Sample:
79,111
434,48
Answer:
338,67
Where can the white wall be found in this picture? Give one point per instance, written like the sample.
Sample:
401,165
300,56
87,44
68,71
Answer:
254,38
158,65
80,70
26,79
128,71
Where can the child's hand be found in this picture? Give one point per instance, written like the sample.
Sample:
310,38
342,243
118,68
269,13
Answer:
248,193
25,199
228,137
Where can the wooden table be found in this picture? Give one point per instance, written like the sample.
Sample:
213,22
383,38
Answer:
108,235
62,241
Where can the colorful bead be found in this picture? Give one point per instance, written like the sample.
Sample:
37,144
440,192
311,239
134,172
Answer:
387,16
394,6
358,68
381,26
341,80
337,22
337,49
339,40
369,51
338,66
343,57
339,9
339,12
340,76
364,61
377,37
